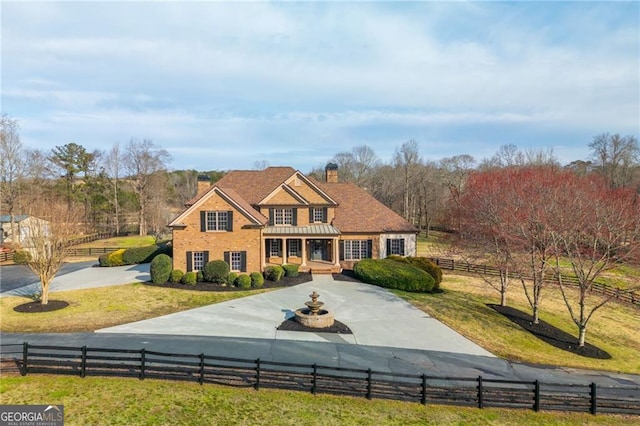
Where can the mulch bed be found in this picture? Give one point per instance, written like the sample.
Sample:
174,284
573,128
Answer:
302,277
292,325
346,275
34,307
550,334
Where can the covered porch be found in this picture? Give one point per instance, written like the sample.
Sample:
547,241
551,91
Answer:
315,248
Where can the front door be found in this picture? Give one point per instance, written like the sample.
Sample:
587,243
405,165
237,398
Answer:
318,249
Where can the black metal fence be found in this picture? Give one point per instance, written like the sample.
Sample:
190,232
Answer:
462,391
622,295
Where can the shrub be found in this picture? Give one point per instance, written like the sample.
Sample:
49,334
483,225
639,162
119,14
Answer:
21,257
144,254
190,278
115,258
160,269
426,265
243,281
216,271
393,274
200,276
176,276
257,280
274,273
290,270
232,278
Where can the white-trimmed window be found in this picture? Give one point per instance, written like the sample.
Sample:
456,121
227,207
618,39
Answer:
283,216
294,247
217,221
197,260
275,248
236,260
357,249
318,215
395,246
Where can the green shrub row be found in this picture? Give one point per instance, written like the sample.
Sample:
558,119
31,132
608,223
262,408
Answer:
426,265
134,256
274,273
290,270
391,274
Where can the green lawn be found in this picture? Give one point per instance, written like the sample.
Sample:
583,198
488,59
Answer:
95,400
122,242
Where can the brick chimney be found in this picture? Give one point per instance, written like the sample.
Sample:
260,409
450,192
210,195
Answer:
331,173
204,182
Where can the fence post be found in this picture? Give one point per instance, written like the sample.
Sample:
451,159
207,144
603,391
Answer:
480,401
83,362
257,385
201,379
368,383
314,382
423,399
536,396
143,359
593,402
25,356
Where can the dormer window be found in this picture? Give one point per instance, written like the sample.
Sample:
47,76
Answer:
318,215
280,217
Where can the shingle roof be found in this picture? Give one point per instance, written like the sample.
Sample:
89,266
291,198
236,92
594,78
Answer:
358,211
5,218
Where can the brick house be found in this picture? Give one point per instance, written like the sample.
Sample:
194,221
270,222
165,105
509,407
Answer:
253,219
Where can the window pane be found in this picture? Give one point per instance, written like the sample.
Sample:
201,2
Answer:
317,215
197,260
236,260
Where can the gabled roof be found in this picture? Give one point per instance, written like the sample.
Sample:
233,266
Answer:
255,185
359,211
5,218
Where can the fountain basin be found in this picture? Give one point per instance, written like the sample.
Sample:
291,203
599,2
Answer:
322,319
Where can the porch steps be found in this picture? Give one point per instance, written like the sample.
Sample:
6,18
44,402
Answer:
326,271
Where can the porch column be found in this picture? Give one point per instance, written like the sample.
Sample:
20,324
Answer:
284,251
304,251
336,252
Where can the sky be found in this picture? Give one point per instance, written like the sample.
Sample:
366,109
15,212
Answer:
223,85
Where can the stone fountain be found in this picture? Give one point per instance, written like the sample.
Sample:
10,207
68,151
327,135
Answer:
313,316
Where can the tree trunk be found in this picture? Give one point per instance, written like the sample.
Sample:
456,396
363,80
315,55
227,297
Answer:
44,285
582,334
503,296
536,319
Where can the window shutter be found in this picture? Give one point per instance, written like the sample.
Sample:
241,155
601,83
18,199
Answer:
203,221
402,246
341,249
271,216
299,253
189,261
324,215
388,246
369,249
311,215
205,258
230,221
227,259
243,261
294,217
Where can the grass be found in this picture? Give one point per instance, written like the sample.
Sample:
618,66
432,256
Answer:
463,307
95,400
121,242
97,308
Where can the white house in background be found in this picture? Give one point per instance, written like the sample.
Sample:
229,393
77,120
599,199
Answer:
23,226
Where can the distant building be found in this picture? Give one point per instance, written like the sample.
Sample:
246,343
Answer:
23,226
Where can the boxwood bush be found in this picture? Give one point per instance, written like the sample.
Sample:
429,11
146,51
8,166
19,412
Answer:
190,278
216,271
160,269
176,276
115,258
243,281
290,270
21,257
200,276
257,280
144,254
232,278
426,265
391,274
274,273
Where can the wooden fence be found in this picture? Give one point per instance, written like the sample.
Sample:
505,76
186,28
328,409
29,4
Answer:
462,391
89,251
632,297
6,256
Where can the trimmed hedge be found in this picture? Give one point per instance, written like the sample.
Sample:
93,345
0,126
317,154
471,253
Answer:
145,254
216,271
391,274
426,265
232,278
115,258
257,280
200,276
21,257
176,276
274,273
243,281
190,278
160,269
290,270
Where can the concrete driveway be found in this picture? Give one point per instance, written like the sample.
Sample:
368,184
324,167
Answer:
375,316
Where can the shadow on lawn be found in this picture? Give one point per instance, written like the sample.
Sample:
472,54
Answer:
550,334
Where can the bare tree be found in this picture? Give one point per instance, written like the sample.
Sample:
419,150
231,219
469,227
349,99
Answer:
616,157
114,167
47,238
407,158
260,164
431,195
11,168
455,171
144,159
